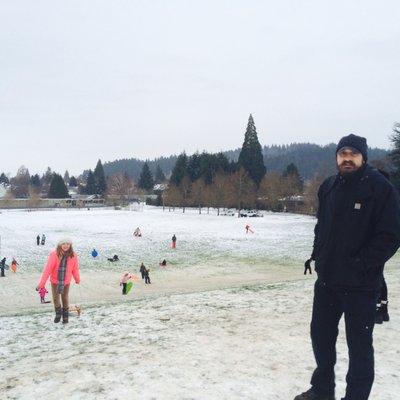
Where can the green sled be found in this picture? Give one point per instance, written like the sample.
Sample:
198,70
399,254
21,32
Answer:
129,287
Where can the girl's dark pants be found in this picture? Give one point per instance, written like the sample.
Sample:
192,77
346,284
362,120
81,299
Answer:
147,279
359,315
124,288
60,298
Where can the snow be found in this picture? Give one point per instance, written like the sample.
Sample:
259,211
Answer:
227,319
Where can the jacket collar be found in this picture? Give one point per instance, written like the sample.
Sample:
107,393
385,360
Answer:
355,176
359,176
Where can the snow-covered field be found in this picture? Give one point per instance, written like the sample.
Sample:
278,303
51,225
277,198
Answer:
228,318
208,240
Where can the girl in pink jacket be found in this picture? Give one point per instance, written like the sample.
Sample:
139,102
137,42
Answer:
61,266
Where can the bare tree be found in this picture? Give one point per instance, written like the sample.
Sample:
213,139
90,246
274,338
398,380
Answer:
20,183
120,185
242,190
311,193
271,190
34,197
184,188
172,197
208,197
219,190
197,193
290,186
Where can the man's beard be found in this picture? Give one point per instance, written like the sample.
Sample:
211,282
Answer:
347,168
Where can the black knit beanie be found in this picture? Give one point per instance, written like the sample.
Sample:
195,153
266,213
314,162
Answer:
357,142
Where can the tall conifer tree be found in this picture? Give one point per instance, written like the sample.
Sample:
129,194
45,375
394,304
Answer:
58,190
100,179
180,169
146,180
90,183
251,157
159,175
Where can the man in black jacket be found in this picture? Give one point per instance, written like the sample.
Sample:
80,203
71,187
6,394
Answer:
357,231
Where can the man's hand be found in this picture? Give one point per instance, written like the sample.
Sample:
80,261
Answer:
307,266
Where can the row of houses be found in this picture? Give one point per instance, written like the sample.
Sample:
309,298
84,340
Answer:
75,200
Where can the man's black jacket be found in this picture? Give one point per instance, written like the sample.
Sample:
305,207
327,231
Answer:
357,231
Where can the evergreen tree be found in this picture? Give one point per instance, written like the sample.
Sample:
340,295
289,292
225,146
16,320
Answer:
293,178
35,180
90,184
4,179
66,177
395,155
193,167
251,157
146,181
159,175
180,169
210,164
100,179
73,182
222,162
57,190
47,177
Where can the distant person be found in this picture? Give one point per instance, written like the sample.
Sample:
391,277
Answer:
2,267
137,232
163,263
14,265
146,276
38,240
43,239
42,293
94,253
142,269
174,242
114,258
248,229
124,281
61,266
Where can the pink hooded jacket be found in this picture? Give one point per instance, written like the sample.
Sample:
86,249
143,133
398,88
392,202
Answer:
125,277
51,269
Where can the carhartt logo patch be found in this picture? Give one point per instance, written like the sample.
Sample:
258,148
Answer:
357,206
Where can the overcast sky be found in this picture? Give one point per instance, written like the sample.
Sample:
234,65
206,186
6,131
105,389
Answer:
82,80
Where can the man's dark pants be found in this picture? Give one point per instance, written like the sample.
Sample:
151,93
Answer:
358,308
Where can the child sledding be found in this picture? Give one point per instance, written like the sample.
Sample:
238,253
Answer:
126,282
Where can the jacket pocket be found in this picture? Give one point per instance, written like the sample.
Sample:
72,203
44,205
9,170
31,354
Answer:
355,272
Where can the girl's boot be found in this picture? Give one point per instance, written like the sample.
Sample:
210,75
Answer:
65,315
58,315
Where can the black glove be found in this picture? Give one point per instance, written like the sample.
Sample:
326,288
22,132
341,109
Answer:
307,266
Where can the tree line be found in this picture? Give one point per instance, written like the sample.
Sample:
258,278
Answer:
236,179
212,180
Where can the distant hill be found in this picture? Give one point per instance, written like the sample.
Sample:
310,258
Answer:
308,157
133,166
